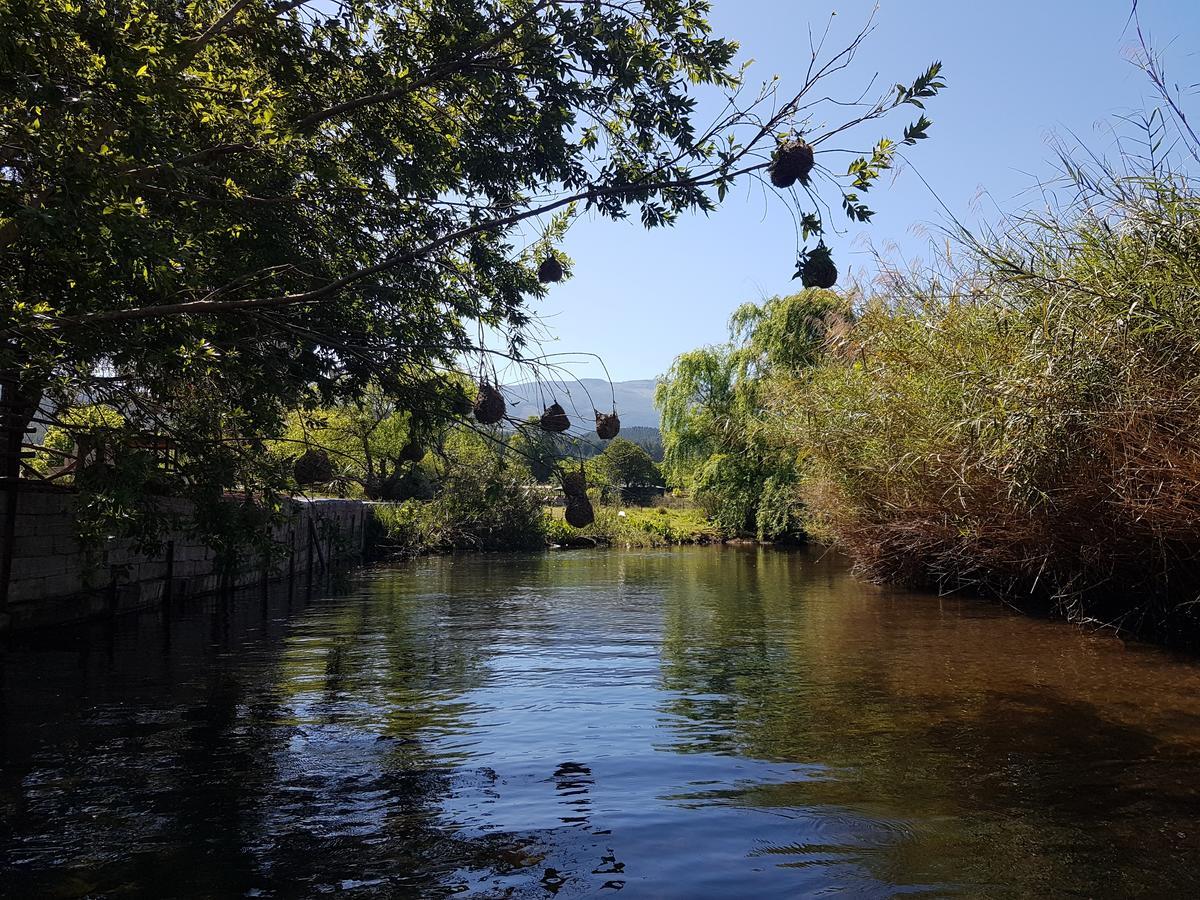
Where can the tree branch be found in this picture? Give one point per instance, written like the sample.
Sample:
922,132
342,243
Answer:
207,307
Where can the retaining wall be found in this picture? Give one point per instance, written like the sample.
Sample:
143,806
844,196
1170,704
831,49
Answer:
55,579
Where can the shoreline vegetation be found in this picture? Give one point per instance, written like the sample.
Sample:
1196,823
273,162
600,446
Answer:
403,530
1019,423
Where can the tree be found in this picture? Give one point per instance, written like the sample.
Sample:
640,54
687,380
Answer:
718,439
370,441
216,212
482,501
627,467
538,449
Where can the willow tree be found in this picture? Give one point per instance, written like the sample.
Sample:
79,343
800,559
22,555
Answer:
216,211
714,402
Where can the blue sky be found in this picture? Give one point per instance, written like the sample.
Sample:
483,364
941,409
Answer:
1019,73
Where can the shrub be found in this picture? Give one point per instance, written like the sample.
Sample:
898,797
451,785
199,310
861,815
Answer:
482,502
1029,425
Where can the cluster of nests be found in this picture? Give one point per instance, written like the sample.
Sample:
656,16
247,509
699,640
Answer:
793,162
490,409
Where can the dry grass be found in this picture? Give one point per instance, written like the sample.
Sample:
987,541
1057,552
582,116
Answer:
1029,425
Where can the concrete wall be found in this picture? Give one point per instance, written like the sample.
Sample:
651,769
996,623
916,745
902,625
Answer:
55,579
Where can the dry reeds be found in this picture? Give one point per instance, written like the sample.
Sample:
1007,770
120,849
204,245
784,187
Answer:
1030,427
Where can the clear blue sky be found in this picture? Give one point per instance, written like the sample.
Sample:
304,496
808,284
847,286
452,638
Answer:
1018,73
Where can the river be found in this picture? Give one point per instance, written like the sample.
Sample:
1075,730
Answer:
689,723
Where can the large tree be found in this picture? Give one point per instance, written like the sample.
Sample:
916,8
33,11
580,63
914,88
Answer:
720,441
216,211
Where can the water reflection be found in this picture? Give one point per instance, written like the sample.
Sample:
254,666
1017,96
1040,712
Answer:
693,723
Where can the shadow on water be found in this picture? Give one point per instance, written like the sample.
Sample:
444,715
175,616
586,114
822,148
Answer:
690,723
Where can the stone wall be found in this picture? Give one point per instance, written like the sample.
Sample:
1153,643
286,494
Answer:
54,579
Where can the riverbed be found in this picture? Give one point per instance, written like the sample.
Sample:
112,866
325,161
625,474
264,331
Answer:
704,722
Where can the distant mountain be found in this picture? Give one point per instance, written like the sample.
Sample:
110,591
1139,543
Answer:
634,399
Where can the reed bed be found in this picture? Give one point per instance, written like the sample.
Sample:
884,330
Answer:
1027,423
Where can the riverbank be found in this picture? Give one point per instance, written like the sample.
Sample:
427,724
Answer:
404,530
1019,424
635,527
57,578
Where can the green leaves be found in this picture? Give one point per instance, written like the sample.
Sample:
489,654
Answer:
917,131
927,85
313,206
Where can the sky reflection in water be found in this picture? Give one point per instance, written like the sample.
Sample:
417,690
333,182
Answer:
662,724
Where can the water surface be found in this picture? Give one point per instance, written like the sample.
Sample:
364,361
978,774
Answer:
692,723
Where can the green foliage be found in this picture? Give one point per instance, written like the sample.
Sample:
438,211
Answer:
89,425
372,442
216,213
718,441
540,450
482,502
1026,423
624,465
635,527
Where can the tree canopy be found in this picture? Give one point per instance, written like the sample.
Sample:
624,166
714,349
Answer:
719,440
214,212
623,464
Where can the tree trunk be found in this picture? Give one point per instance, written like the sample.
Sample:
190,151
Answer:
18,403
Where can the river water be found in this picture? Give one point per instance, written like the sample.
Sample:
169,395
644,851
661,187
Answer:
690,723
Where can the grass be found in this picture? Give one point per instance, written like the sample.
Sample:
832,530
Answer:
638,527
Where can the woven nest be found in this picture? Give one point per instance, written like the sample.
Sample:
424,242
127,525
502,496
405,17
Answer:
608,425
550,270
574,484
313,467
412,451
489,405
792,162
579,512
554,419
818,269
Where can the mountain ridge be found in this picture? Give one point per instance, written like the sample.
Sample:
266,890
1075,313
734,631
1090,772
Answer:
634,399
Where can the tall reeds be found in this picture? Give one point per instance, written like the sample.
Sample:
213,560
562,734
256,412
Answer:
1028,423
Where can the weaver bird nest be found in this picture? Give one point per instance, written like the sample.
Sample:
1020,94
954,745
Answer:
608,425
554,419
313,467
792,162
550,270
817,269
489,405
579,512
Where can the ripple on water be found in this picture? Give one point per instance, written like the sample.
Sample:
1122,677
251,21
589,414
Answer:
685,724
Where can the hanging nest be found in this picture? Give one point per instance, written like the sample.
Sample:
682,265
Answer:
550,270
817,269
489,405
412,451
574,484
608,425
792,162
554,419
313,467
579,512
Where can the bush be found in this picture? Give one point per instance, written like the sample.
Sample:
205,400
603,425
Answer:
1029,425
482,502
